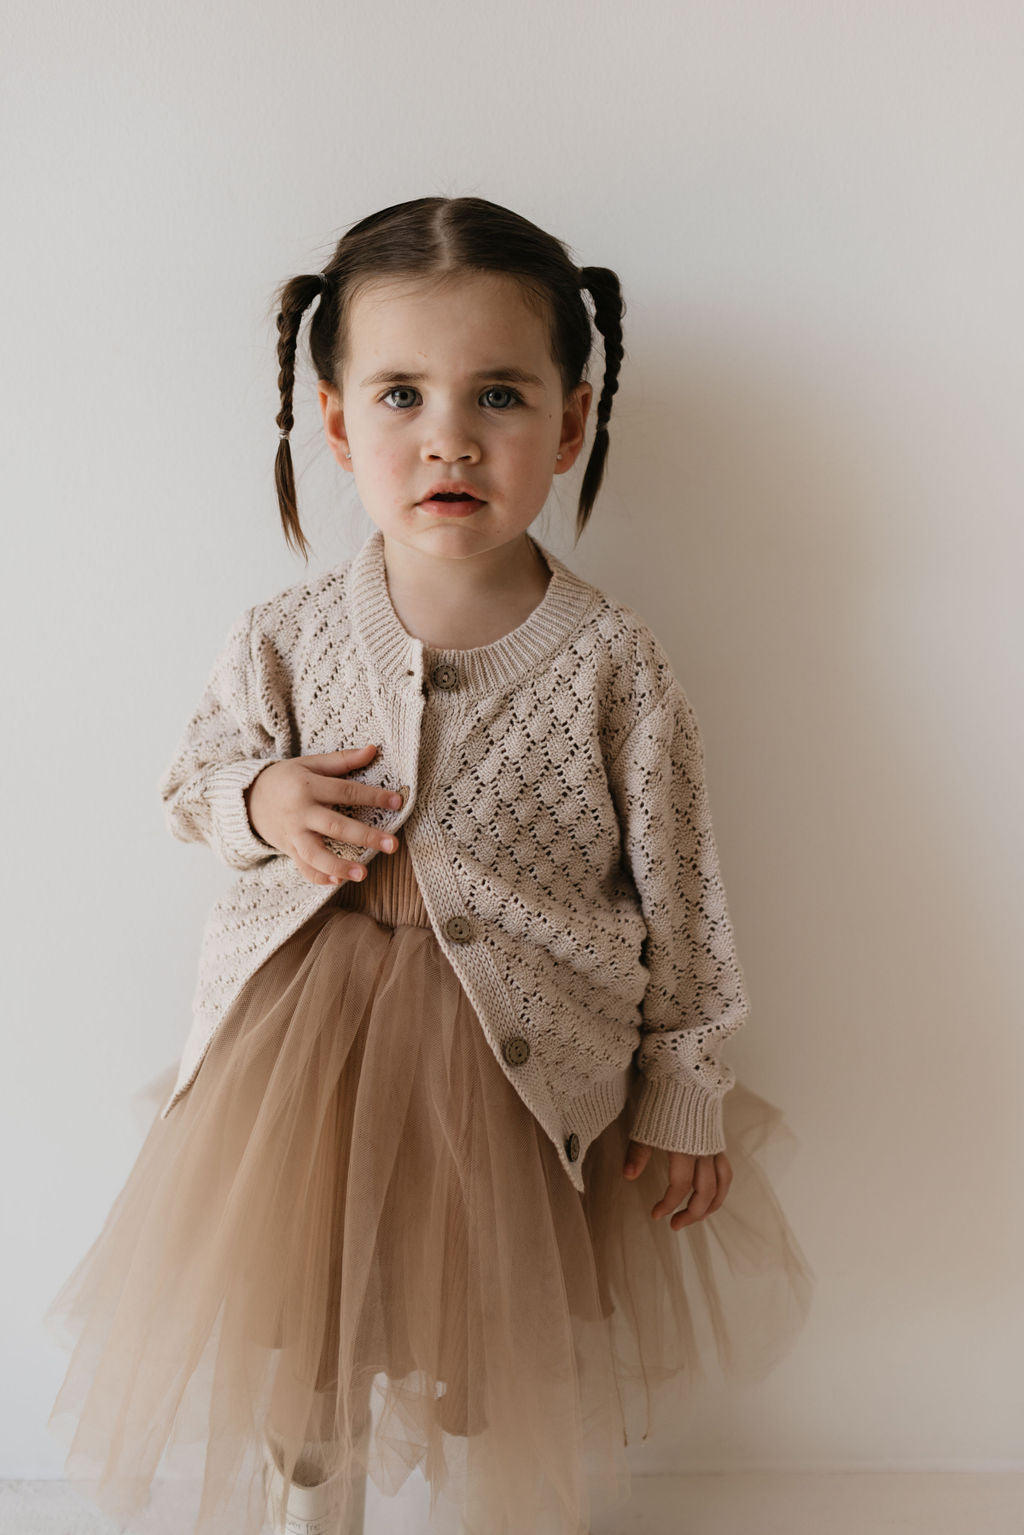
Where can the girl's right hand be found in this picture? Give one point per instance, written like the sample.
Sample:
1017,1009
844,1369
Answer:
293,804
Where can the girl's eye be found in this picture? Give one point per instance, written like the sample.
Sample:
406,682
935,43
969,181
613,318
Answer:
514,397
398,389
502,389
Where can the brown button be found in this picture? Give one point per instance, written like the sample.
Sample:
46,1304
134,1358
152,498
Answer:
572,1147
459,929
516,1051
445,675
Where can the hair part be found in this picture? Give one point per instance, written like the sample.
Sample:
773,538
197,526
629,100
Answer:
440,238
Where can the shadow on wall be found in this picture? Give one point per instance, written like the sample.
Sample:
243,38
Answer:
762,513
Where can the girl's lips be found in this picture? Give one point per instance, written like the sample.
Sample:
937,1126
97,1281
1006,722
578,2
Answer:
450,508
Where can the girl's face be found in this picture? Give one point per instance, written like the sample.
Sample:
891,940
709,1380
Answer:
452,383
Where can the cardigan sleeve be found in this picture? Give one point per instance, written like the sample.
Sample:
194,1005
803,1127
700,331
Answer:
695,996
239,726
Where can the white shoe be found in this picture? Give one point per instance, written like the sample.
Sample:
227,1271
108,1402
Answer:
311,1510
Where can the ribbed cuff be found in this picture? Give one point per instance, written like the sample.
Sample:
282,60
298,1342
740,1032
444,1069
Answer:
240,847
679,1116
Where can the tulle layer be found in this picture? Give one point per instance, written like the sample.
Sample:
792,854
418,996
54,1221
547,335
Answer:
352,1236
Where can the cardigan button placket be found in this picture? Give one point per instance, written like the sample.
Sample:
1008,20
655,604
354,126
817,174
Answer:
516,1050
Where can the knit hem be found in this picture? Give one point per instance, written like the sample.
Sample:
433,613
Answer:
237,842
679,1116
587,1115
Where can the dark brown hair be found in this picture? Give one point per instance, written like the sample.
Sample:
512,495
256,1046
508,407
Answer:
438,237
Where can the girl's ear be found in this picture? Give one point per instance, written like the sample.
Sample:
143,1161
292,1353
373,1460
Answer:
334,421
574,420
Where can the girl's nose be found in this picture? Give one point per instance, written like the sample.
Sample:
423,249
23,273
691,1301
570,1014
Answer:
450,441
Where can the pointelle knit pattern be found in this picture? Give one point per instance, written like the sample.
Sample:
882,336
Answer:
556,815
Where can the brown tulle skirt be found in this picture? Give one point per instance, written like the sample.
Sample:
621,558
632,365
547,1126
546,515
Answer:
351,1234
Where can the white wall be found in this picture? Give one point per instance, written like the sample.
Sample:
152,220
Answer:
814,499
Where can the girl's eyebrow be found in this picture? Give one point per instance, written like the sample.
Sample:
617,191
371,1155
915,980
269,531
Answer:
511,375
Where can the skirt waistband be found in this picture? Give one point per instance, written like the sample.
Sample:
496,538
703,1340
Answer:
388,892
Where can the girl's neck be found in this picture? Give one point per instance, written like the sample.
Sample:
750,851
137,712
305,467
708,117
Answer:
462,604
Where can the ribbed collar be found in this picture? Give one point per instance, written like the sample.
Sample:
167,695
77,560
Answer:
392,652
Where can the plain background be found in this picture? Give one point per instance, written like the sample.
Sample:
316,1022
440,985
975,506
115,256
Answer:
813,498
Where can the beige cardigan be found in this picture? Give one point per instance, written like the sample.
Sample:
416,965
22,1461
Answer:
557,821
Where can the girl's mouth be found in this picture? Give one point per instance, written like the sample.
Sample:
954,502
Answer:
451,506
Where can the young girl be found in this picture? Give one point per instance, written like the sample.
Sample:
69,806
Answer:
451,1173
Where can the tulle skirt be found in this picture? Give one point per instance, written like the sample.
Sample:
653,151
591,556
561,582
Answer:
351,1238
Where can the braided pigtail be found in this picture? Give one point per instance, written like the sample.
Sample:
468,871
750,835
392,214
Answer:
603,286
294,299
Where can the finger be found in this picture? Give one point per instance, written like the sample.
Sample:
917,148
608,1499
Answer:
327,790
328,821
705,1184
348,871
723,1173
333,868
675,1195
680,1182
326,765
334,762
637,1157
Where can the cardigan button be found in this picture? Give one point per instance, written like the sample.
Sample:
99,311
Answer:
516,1050
444,675
572,1147
459,929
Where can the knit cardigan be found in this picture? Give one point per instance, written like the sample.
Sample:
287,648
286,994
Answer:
557,820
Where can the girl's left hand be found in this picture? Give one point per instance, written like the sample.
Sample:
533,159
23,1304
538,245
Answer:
705,1179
